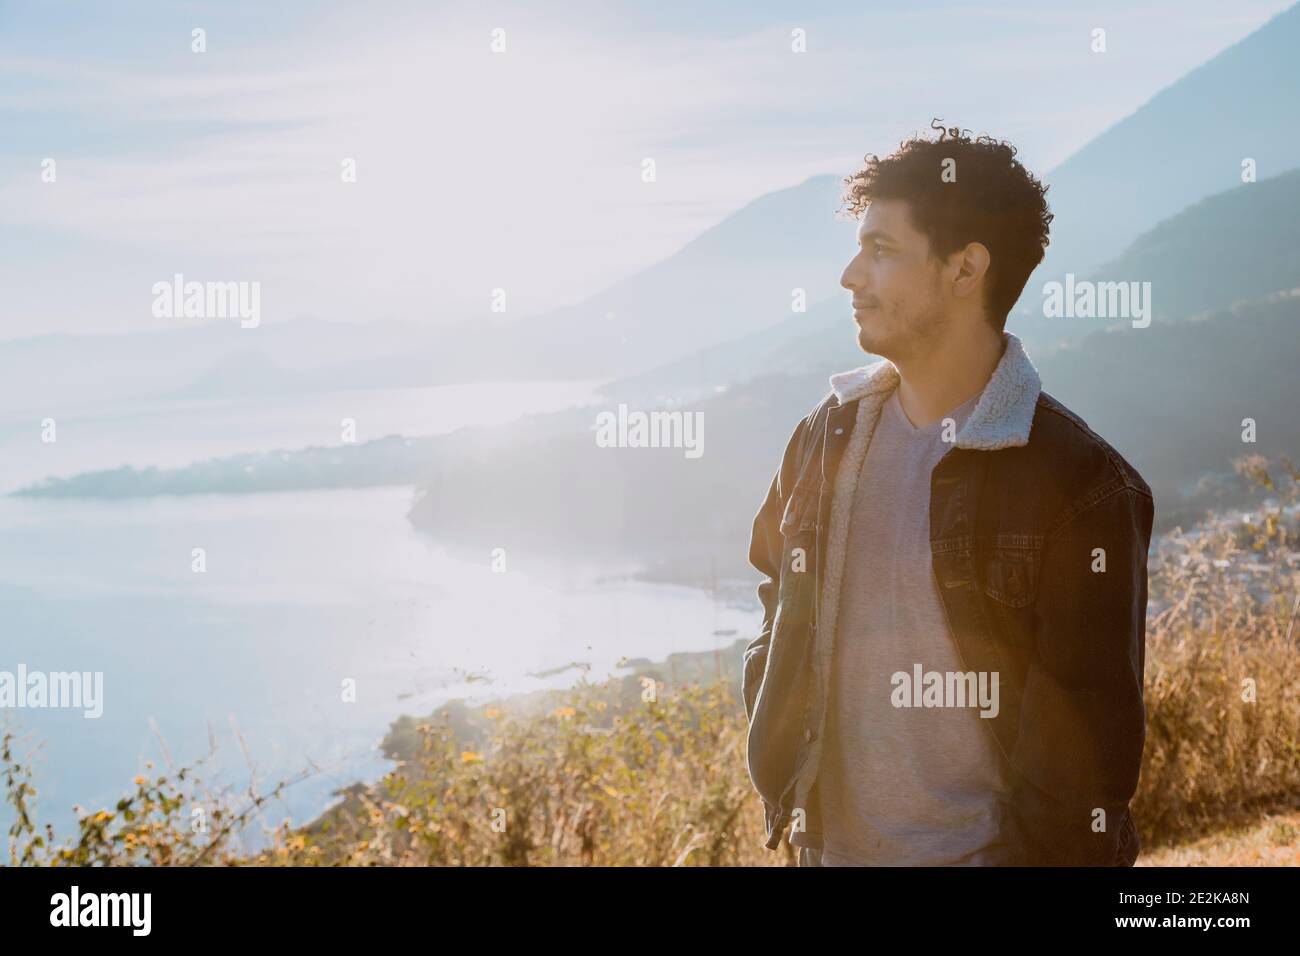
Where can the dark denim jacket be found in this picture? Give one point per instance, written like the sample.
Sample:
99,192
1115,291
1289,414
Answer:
1018,510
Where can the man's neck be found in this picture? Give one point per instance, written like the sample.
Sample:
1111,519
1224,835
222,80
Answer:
933,384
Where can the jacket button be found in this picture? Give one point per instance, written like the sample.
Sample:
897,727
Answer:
839,431
808,734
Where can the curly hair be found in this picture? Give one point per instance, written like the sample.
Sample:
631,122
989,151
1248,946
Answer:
993,200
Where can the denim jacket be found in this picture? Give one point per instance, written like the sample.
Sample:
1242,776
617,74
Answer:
1039,533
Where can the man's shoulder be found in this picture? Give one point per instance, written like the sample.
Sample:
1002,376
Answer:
815,419
1067,441
802,442
822,408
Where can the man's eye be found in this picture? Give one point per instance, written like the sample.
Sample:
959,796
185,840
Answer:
878,249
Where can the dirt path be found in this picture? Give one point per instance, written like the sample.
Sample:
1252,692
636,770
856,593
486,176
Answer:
1275,841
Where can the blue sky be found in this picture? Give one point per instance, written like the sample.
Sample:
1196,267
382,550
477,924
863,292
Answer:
478,170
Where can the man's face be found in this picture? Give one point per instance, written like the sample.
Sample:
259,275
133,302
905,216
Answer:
898,303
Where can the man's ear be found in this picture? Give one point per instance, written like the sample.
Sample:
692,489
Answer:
972,263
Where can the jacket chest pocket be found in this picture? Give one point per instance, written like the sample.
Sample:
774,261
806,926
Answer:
1012,568
800,513
799,550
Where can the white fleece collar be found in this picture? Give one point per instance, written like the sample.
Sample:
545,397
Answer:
1005,411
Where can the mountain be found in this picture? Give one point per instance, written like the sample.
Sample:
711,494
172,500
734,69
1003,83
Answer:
1187,142
1240,245
1171,398
801,343
58,372
241,374
1237,245
735,278
1184,145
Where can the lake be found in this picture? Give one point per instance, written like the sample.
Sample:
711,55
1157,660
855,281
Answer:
300,592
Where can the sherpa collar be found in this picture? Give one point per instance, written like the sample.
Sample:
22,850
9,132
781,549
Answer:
1002,417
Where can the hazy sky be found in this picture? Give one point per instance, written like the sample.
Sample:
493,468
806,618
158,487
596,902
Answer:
478,170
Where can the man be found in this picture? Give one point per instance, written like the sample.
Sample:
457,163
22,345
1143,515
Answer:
951,661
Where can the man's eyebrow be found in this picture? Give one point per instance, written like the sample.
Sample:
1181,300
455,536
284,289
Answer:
875,234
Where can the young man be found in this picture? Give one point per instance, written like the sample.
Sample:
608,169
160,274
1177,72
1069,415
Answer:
951,662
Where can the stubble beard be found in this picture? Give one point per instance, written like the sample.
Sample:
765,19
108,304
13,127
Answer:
905,337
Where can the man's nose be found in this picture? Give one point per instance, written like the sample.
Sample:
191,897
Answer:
851,279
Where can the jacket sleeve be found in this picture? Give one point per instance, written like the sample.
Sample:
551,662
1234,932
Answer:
1082,721
765,549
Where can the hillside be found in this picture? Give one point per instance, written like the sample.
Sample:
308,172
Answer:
1170,398
1187,142
1235,245
1193,269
